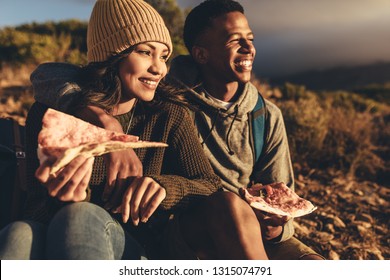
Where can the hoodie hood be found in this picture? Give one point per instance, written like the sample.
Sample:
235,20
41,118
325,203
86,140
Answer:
185,72
54,84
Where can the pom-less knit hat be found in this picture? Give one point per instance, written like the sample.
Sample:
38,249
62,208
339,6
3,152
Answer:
116,25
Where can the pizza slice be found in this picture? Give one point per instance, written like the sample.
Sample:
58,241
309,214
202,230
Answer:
64,137
277,199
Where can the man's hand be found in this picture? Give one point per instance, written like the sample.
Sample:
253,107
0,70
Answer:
271,224
141,199
71,182
121,166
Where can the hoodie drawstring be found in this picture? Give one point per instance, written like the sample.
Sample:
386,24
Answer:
230,128
212,126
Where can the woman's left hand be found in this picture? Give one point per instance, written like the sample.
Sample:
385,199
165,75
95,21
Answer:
141,199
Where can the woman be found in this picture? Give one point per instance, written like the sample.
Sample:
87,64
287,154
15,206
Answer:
171,199
128,46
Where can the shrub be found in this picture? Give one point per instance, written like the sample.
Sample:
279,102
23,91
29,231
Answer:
337,130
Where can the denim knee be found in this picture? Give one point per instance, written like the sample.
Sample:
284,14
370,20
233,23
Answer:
23,240
84,230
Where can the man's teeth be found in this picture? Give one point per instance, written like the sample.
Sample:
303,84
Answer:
245,63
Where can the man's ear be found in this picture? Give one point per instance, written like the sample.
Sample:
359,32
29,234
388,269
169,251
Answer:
200,54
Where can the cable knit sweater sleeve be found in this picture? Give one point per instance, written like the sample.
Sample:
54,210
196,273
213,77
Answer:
192,175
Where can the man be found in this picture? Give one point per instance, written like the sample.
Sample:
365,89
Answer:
217,77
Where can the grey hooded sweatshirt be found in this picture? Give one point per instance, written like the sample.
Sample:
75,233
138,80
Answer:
225,134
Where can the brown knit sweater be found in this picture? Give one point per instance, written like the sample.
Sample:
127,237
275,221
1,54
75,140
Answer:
181,168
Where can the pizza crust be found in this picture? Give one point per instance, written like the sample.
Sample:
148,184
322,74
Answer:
65,156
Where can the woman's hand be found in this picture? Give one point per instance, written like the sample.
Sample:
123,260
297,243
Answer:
141,199
71,182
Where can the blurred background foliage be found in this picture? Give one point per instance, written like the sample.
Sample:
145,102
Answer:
66,40
343,131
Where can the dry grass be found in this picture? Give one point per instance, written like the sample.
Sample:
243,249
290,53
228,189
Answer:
15,75
16,95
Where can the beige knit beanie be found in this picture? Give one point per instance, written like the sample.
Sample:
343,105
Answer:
116,25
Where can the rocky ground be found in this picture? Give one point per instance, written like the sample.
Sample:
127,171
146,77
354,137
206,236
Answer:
352,219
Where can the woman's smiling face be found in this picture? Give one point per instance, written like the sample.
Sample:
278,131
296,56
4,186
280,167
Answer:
142,70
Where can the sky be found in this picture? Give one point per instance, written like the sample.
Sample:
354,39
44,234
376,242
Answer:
290,35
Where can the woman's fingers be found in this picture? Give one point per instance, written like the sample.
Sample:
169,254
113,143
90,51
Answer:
126,200
43,171
77,190
141,199
153,204
68,179
145,200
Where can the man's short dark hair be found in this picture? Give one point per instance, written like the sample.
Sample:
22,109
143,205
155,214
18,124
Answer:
200,18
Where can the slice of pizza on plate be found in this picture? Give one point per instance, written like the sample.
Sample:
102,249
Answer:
277,199
64,137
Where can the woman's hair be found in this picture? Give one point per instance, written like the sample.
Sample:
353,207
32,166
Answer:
101,86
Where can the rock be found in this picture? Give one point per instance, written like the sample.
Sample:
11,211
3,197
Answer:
338,222
365,218
363,230
375,254
362,224
381,230
308,223
277,93
323,237
333,255
300,184
358,192
330,228
336,243
384,192
301,229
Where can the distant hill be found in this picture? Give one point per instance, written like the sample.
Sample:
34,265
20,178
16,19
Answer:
340,78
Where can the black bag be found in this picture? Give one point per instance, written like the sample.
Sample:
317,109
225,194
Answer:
12,170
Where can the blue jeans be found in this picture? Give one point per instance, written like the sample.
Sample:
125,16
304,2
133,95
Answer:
23,240
79,231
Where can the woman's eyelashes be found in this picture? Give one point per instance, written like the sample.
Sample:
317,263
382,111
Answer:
163,57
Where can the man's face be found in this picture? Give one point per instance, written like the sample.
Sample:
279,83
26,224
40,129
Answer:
228,49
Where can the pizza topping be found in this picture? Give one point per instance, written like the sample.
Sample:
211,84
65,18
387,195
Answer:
277,199
64,137
62,130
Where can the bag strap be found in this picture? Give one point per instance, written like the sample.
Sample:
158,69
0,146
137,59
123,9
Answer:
20,176
258,116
